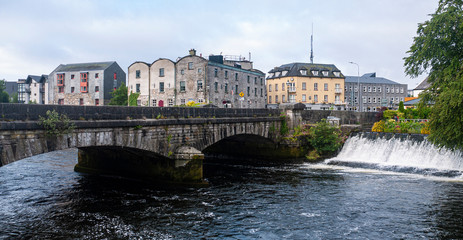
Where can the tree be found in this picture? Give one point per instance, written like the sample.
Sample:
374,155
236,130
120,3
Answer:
4,97
133,99
325,138
119,96
401,107
438,49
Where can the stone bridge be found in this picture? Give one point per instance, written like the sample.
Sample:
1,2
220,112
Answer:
160,143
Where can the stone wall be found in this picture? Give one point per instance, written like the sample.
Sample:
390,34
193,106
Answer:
346,117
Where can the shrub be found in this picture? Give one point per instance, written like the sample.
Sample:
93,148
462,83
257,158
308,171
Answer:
378,126
325,138
56,124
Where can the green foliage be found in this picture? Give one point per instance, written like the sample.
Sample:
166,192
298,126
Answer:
56,124
133,99
437,49
119,96
137,127
325,138
4,97
400,126
14,98
401,107
284,129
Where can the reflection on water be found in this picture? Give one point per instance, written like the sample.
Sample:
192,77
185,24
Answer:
43,198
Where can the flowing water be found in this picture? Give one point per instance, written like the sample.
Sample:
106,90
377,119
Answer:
374,189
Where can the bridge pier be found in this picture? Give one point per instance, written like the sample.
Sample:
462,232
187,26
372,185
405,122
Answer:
186,169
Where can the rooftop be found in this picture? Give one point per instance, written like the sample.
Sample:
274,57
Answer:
296,69
369,78
76,67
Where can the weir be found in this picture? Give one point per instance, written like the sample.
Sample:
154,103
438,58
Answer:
399,153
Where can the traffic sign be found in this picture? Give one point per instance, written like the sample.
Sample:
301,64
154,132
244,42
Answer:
241,94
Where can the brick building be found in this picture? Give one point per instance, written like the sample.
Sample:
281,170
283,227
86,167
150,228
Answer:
84,83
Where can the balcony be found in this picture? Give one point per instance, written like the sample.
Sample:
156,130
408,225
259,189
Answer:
337,90
338,103
292,89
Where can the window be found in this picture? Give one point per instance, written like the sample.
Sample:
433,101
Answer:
96,75
379,100
137,88
61,89
226,74
200,85
261,92
303,86
315,72
249,79
182,101
236,89
216,86
276,87
154,102
303,98
325,98
392,90
182,86
72,76
337,74
115,76
190,66
200,100
356,100
270,87
255,80
369,89
379,89
269,99
83,82
182,71
72,89
261,81
248,91
401,90
315,86
97,102
236,76
226,87
255,92
374,100
276,99
283,98
369,99
282,86
374,89
60,79
355,89
325,73
81,101
325,86
97,88
303,72
161,86
387,89
200,70
397,90
61,101
364,99
216,72
83,89
171,102
315,98
364,89
161,72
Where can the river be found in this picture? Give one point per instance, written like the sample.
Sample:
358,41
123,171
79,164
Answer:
43,198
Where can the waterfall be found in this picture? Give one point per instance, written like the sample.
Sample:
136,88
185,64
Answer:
399,153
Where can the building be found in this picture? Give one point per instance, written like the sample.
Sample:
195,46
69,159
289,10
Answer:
318,86
33,89
11,88
218,80
84,83
421,87
375,92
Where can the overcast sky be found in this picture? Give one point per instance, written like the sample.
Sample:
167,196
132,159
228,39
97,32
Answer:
38,35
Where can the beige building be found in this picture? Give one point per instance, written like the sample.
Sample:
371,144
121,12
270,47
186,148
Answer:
318,86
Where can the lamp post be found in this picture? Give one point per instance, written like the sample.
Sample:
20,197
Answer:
358,83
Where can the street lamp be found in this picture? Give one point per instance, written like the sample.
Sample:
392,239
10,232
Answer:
358,83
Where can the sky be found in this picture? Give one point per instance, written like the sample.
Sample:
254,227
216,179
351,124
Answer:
38,35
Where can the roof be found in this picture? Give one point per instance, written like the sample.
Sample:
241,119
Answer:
39,79
412,102
294,69
251,71
76,67
423,85
369,78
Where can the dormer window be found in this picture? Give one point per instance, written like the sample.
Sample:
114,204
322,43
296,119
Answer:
303,72
315,72
337,74
284,73
277,74
325,73
270,75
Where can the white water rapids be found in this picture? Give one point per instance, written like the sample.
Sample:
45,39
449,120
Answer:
398,154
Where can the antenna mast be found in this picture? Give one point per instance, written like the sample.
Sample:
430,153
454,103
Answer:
311,46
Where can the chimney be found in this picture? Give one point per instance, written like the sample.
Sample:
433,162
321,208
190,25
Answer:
192,52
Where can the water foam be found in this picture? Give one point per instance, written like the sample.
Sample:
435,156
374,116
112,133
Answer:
399,153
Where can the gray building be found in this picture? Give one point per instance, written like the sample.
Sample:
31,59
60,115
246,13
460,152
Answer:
218,80
33,89
84,83
375,92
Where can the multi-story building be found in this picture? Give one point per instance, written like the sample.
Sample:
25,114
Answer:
33,89
84,83
218,80
318,86
375,92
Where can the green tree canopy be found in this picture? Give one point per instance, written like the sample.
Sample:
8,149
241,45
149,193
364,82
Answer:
4,97
438,50
119,96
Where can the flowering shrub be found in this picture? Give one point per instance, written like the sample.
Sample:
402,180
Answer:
401,127
378,126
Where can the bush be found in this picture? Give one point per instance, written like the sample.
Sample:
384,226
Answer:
378,126
325,138
56,124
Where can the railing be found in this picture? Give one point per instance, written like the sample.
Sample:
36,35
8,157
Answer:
292,89
413,120
337,102
338,90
